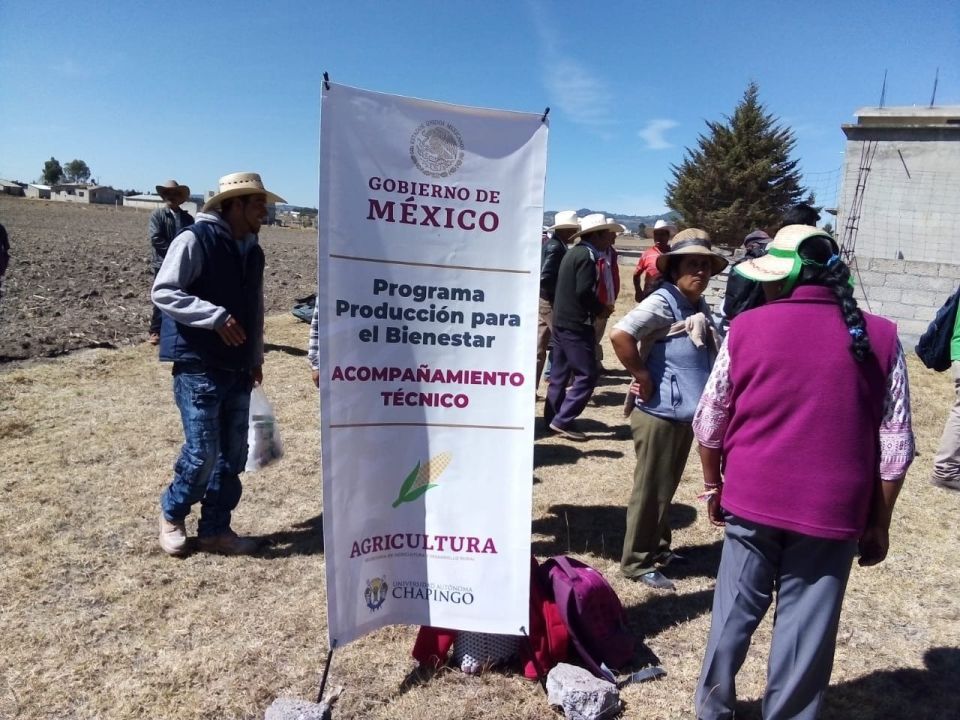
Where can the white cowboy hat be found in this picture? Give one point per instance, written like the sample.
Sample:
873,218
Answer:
595,222
662,224
237,184
619,229
693,241
781,257
565,220
172,187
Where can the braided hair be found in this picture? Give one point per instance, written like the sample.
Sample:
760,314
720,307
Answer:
823,266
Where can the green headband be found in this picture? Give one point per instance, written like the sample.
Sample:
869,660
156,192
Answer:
798,263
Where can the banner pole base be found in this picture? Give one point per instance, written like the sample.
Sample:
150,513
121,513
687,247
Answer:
541,676
326,671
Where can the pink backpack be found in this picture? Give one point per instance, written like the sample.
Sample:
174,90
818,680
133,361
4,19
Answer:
593,614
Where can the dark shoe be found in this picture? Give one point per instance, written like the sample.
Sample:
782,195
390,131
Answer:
657,580
948,484
670,557
229,543
574,435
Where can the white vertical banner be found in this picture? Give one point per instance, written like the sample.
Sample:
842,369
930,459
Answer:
429,250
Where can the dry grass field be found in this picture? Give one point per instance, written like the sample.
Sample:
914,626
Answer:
96,622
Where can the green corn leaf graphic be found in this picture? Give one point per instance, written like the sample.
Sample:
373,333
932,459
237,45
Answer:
407,484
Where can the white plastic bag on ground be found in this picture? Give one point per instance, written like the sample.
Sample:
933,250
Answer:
263,436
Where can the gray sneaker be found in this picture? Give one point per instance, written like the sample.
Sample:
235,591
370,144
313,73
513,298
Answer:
173,537
229,543
657,580
953,484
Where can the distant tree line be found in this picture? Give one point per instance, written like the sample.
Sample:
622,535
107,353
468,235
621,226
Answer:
75,171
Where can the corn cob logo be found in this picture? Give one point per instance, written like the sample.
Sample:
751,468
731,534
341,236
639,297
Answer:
422,478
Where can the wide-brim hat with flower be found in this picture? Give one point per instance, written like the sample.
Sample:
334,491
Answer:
565,220
693,241
171,189
238,184
595,222
782,260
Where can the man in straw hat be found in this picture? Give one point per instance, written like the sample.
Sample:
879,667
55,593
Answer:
575,308
165,224
670,367
565,224
646,277
608,289
210,290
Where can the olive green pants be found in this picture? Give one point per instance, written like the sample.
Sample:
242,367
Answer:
662,447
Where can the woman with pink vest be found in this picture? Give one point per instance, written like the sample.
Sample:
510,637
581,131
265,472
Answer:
805,437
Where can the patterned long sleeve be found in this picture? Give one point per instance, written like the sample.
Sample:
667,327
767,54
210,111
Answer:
896,428
713,412
313,350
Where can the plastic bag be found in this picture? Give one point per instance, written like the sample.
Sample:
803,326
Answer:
263,436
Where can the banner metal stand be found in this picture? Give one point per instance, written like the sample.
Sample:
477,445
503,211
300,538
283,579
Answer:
326,671
541,676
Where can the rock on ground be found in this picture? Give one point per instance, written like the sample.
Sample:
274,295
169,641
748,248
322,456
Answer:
296,709
582,695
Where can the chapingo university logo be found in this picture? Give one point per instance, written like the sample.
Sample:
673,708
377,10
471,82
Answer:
376,592
436,148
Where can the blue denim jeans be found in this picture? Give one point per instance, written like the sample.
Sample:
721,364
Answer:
213,407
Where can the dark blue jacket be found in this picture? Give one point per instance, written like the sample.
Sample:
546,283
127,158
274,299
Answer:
227,279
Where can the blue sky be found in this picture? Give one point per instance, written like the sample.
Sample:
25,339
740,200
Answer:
145,91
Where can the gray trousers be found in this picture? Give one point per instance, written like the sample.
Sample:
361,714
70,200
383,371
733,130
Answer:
946,463
810,577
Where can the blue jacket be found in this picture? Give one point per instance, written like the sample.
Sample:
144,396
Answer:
228,279
678,368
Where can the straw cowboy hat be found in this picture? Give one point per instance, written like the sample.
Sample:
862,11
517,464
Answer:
692,241
565,220
782,259
595,222
237,184
173,189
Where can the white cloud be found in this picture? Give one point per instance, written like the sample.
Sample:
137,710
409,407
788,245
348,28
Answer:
572,88
585,99
653,134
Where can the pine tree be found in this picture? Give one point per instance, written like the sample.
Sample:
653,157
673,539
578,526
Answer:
740,177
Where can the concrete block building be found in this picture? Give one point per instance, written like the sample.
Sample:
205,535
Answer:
899,210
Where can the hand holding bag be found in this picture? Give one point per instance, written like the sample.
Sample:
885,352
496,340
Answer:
263,436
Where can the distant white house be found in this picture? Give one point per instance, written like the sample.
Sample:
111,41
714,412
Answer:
8,187
35,190
149,201
83,193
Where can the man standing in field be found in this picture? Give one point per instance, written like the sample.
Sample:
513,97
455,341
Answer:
565,224
165,224
4,253
646,277
210,290
608,289
575,308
